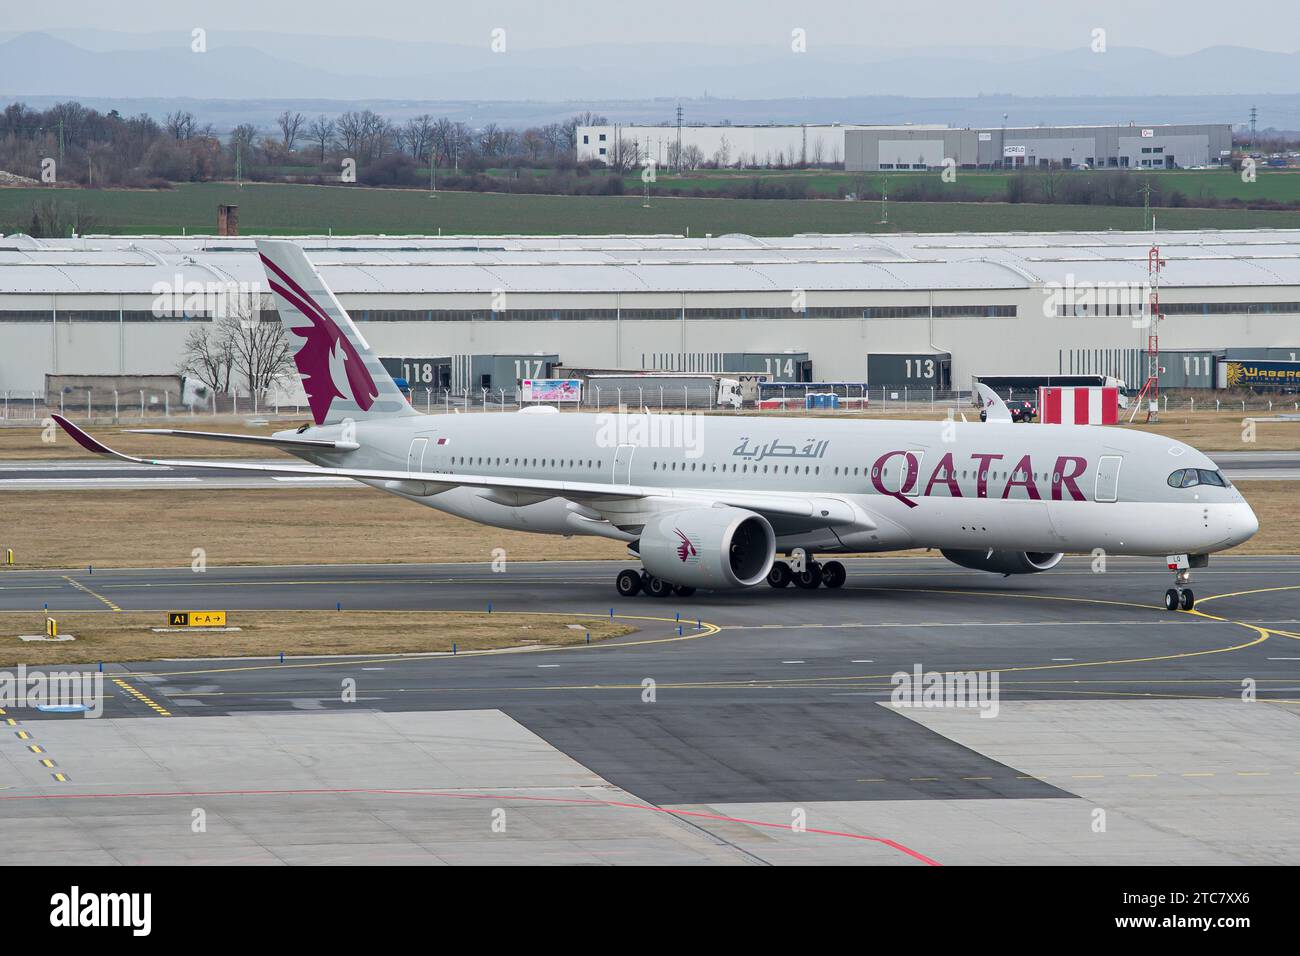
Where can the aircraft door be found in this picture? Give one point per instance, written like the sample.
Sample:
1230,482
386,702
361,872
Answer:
622,474
415,455
1108,478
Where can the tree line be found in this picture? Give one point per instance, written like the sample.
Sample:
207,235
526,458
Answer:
88,147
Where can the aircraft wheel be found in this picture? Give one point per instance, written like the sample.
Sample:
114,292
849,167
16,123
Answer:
779,576
1186,600
1171,599
658,587
681,590
628,583
810,578
833,574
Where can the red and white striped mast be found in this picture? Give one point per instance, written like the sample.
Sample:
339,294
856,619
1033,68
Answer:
1151,387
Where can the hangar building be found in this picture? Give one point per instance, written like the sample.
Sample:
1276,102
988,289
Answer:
825,308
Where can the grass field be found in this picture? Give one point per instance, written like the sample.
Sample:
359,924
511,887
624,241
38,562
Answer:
346,210
27,442
344,525
128,636
336,525
1196,185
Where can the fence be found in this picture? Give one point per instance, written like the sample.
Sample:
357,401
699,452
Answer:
138,406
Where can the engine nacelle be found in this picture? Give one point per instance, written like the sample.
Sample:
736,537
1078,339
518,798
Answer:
709,547
1004,562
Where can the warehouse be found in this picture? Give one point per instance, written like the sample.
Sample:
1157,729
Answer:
933,310
725,145
1129,146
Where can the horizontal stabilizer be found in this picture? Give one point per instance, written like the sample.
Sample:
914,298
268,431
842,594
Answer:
995,410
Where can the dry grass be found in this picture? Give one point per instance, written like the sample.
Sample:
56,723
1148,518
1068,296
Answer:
1275,504
142,528
29,442
340,525
127,636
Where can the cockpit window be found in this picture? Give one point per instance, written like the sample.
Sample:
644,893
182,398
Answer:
1191,477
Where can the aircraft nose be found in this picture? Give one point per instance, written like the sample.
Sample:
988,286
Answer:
1242,523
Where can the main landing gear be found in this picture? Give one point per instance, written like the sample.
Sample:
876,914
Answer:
631,582
814,575
1180,596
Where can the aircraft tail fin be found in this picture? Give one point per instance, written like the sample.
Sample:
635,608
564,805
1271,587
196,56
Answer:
995,410
342,376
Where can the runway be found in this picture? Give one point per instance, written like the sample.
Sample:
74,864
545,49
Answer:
765,701
82,473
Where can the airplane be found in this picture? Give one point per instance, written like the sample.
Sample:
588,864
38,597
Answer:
715,501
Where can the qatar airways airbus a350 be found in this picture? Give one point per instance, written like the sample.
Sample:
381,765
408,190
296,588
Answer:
710,501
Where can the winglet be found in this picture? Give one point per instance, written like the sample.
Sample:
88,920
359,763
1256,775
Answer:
995,410
86,441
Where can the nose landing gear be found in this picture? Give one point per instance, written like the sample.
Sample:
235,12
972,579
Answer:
1180,596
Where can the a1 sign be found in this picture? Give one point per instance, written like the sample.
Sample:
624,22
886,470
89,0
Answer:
196,618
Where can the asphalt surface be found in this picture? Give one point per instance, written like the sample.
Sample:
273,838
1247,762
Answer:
92,473
764,695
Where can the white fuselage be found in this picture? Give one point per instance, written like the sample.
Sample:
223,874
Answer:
883,485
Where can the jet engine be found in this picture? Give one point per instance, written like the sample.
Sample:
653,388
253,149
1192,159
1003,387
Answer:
1004,562
708,547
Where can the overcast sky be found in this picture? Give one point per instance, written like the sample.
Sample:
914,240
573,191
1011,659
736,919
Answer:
1172,26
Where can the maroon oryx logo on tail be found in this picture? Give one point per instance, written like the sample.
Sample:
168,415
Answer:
685,549
327,363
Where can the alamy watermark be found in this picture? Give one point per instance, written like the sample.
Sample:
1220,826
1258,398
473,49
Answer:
75,690
936,689
684,431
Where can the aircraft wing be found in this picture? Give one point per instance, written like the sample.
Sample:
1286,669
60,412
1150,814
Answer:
519,491
263,440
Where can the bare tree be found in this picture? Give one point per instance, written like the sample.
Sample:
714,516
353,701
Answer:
289,123
491,140
239,343
692,156
625,154
558,137
351,129
723,156
321,133
259,345
208,356
417,135
181,125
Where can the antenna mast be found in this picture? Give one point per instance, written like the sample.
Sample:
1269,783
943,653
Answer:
1151,387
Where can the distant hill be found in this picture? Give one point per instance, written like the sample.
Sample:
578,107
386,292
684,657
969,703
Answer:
249,65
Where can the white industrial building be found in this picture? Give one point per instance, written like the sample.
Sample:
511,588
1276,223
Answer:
728,145
1115,146
996,302
915,146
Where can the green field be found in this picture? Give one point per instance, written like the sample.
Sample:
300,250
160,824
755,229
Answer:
350,210
1196,185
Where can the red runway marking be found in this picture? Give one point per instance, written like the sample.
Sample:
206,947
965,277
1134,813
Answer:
893,844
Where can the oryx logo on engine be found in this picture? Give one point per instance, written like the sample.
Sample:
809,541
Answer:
685,549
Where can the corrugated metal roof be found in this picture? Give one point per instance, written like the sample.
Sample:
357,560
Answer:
356,265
